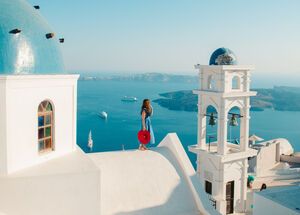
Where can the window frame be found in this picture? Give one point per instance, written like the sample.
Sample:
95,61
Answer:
43,112
208,187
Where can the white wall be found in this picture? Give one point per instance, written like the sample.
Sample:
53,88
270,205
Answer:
266,159
219,174
69,185
3,149
23,95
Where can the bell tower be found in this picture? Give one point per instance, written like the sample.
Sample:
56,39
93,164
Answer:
224,101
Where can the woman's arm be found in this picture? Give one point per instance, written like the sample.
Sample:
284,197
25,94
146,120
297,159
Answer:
143,120
151,111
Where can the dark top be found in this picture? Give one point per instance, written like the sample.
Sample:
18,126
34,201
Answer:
147,113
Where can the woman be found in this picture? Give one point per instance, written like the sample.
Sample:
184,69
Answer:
146,113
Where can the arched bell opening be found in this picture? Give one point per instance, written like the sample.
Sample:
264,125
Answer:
234,125
211,126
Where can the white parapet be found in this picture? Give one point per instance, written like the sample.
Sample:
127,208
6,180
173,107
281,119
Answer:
69,185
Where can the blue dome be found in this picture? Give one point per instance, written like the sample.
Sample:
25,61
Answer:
223,56
28,51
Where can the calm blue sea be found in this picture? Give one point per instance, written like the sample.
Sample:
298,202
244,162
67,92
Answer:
123,123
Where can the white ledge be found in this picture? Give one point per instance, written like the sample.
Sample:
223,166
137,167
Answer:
226,94
227,67
37,76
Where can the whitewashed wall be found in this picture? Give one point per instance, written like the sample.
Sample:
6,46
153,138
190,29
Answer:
266,159
3,148
19,118
214,175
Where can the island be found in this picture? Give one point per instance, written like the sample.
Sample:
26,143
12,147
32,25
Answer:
143,77
281,98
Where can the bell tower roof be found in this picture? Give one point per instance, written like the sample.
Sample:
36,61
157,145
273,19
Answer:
223,56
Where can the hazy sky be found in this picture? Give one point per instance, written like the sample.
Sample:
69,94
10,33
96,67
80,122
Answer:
173,35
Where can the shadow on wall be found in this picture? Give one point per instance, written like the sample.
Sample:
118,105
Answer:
180,201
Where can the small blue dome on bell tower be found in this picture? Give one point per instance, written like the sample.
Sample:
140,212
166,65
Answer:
223,56
27,43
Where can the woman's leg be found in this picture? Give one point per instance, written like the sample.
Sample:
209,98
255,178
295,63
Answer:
141,147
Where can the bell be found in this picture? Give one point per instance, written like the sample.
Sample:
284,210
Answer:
233,120
212,120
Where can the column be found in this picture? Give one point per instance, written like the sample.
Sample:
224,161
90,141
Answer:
222,130
201,136
246,81
220,190
244,178
244,130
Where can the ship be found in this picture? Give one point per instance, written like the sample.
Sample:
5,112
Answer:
103,115
129,99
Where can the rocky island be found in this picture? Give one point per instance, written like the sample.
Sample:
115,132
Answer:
145,77
278,98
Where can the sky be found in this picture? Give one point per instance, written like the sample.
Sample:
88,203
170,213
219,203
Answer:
173,35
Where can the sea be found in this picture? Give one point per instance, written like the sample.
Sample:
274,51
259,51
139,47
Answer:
119,130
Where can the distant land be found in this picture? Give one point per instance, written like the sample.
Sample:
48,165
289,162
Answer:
279,98
145,77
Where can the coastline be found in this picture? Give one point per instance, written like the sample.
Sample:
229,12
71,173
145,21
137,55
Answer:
278,98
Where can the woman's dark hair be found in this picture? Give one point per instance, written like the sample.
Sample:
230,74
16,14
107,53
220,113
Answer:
146,106
263,187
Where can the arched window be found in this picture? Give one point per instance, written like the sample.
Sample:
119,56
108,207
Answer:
211,83
45,126
235,83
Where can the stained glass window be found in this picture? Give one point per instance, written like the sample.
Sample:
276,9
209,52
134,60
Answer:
41,121
41,145
45,126
48,119
41,133
48,132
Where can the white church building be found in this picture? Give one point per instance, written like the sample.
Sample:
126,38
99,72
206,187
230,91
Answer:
43,171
